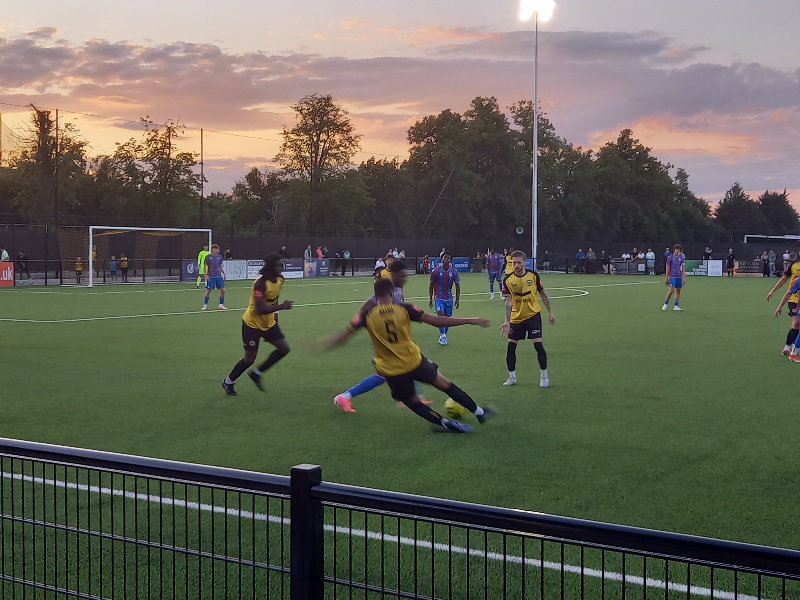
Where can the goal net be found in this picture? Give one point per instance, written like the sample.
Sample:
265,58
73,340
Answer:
140,254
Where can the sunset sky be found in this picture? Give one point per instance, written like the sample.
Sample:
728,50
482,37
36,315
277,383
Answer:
712,86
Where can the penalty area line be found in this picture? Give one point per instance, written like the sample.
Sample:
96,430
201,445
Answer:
580,570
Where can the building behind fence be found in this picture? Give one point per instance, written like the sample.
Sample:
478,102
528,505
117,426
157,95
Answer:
87,524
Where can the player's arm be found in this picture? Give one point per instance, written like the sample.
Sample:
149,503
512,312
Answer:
458,290
785,299
415,314
504,328
683,273
430,292
341,337
781,282
262,308
206,270
546,301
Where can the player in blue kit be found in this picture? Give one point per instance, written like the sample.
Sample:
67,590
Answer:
494,264
215,277
441,288
675,277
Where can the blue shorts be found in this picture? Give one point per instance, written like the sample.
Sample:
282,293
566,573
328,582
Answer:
444,306
215,283
676,282
494,276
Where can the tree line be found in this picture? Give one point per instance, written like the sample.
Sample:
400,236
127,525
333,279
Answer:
467,174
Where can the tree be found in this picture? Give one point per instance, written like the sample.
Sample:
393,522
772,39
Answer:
391,187
782,217
261,195
49,156
739,215
321,145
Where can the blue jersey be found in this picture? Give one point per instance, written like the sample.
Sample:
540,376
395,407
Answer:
795,287
494,262
675,265
214,262
443,282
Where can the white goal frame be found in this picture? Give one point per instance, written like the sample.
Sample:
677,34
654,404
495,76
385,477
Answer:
93,228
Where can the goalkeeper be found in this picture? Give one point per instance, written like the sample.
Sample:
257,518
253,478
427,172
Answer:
201,265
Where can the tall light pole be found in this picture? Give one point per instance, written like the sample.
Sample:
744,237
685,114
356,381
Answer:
540,10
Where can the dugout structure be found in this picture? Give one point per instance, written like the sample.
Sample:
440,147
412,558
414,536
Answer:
153,253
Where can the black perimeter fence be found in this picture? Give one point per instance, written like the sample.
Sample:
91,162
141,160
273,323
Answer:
48,262
88,524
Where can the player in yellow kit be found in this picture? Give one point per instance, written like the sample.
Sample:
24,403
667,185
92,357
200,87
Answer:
260,322
790,275
522,289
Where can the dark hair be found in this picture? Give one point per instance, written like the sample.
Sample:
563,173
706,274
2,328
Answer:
269,263
397,265
446,254
383,287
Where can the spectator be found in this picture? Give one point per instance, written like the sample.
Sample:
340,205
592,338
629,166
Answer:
650,261
345,260
764,264
379,264
284,253
319,251
112,267
307,254
442,252
3,254
604,261
546,261
402,254
227,255
123,267
395,252
730,262
707,254
22,265
426,264
324,252
625,256
772,259
580,261
787,259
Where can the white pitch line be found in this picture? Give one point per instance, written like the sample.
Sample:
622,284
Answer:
582,292
648,582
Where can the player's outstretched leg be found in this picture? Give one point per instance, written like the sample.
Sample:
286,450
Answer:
239,368
281,350
464,399
541,356
430,415
362,387
511,363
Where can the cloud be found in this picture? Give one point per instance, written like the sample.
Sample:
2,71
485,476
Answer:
722,123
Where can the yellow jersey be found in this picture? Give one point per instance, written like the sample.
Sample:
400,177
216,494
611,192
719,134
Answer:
269,291
78,266
509,266
793,272
383,274
123,262
389,326
524,292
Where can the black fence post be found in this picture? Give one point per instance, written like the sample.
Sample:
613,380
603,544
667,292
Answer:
306,535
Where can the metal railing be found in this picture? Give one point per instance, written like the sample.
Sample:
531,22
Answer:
86,524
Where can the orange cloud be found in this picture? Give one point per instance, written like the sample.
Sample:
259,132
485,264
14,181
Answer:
662,134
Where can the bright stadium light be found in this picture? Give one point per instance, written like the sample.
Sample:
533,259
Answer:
540,10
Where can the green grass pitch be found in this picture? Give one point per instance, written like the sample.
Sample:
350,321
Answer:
678,421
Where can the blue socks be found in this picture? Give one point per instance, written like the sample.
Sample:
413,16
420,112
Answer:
365,385
205,301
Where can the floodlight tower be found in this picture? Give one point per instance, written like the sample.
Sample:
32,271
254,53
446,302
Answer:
540,10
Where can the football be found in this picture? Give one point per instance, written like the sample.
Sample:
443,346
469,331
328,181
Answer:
453,409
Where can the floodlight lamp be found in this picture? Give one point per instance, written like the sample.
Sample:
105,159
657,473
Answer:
543,9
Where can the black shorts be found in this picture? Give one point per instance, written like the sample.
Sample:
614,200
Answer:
530,328
402,386
792,308
251,336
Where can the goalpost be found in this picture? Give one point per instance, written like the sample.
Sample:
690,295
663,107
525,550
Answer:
142,247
